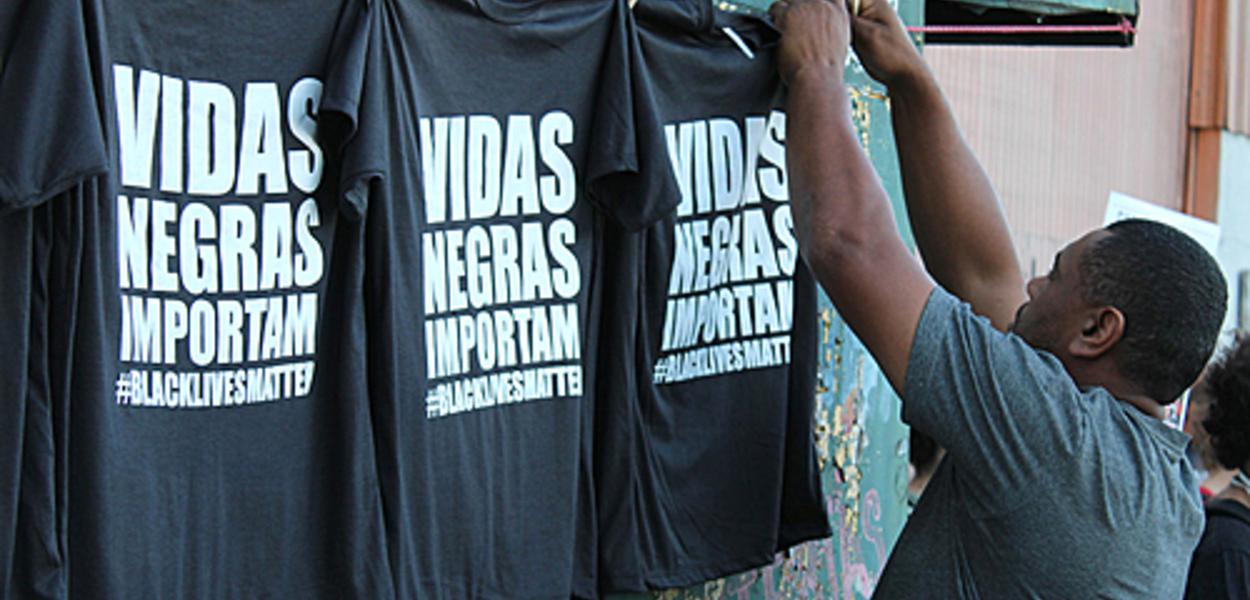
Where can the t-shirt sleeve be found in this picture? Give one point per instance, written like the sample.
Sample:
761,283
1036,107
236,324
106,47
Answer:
628,173
8,25
50,88
351,111
19,372
1003,410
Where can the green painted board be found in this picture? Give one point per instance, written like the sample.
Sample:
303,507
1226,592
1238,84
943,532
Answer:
861,441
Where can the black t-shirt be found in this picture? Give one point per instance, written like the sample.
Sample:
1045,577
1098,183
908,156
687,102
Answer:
710,467
9,13
497,151
1221,564
208,423
46,150
23,408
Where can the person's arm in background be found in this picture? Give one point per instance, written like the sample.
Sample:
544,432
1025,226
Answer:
842,215
955,214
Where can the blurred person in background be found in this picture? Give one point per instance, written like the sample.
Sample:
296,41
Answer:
1216,477
1221,564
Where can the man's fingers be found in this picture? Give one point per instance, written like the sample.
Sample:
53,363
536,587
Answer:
780,9
777,11
861,28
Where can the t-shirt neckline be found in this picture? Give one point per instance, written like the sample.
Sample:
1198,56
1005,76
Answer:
509,11
1173,439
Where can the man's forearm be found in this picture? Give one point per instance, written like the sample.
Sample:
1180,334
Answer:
955,214
837,197
845,226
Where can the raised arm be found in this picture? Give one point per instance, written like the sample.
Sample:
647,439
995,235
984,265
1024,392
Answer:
955,214
842,216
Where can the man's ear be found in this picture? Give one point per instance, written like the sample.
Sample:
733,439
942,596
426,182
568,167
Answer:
1101,329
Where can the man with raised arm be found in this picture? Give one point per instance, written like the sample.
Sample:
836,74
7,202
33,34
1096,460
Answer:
1060,478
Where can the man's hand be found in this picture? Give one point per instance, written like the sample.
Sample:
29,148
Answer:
882,44
815,34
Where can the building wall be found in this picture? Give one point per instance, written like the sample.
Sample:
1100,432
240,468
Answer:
1238,65
1059,129
1234,220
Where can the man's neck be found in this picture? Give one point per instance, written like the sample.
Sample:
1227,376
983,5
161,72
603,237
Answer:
1128,394
1218,479
1121,389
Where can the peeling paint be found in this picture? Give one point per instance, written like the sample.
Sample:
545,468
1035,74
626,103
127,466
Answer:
862,98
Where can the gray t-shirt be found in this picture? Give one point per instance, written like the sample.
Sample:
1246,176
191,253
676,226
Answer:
1047,490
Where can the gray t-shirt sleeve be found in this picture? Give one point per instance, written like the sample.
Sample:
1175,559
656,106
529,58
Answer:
1003,410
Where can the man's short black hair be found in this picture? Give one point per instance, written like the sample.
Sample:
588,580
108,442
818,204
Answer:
1173,297
1228,422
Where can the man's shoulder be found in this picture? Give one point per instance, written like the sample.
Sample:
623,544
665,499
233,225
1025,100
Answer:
1135,432
1149,487
951,333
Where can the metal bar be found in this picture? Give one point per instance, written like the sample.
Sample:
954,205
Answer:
1125,27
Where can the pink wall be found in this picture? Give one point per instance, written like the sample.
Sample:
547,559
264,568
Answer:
1058,129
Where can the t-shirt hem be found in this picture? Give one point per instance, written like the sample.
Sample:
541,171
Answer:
632,222
426,589
686,575
11,200
708,571
342,108
805,535
343,105
353,200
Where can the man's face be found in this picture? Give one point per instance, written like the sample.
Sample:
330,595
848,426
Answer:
1052,316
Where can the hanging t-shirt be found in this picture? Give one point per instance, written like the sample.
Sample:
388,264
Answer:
712,470
45,151
204,342
9,12
20,341
498,150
